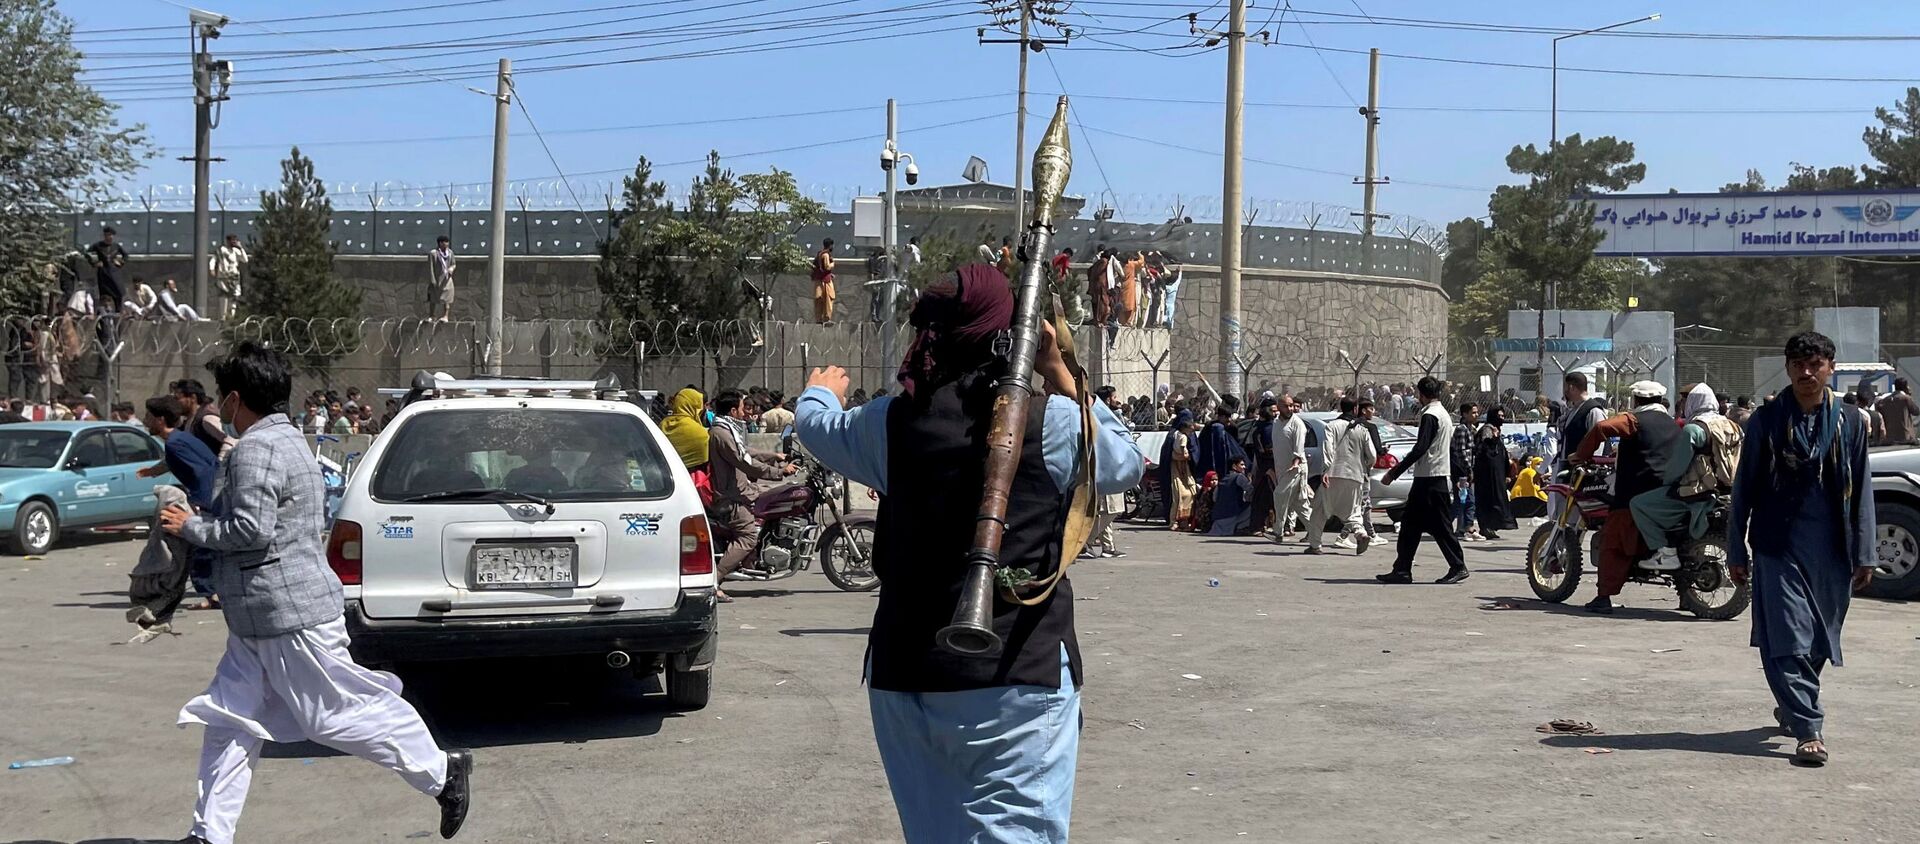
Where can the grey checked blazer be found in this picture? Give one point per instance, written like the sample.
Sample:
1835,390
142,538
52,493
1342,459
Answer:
269,508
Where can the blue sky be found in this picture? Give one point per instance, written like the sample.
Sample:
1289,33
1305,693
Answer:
1446,126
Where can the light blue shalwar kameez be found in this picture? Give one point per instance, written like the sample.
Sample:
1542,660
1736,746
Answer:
982,766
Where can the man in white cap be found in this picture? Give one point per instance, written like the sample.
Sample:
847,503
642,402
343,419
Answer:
1653,452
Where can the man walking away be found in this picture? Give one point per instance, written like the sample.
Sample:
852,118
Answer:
1350,452
735,467
1801,501
224,265
1292,498
1899,410
822,275
1429,503
440,280
287,675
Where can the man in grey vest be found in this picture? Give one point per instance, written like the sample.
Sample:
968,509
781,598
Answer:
286,675
1430,504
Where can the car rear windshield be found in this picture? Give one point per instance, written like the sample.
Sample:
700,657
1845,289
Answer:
30,449
558,455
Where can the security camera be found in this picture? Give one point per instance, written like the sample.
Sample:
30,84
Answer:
886,158
206,19
913,173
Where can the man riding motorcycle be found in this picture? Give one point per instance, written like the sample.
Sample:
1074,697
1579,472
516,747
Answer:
1649,458
1673,514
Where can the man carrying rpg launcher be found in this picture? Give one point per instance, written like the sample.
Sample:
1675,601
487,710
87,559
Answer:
976,748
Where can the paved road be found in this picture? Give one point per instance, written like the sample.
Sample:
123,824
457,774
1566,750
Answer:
1329,708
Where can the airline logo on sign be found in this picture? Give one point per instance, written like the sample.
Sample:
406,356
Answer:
1755,224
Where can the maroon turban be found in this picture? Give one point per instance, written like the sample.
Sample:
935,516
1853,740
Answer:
956,320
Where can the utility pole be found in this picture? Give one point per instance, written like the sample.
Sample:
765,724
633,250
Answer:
497,237
206,72
1230,202
890,241
1027,42
1020,130
1372,114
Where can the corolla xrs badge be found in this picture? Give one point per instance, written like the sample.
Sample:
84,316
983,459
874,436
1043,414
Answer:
642,524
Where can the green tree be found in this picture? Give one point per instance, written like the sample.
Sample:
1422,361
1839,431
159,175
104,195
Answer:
1464,263
1894,144
636,274
292,268
737,230
59,144
1543,232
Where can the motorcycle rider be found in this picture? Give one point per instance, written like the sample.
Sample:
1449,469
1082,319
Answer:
1649,458
1671,515
735,467
1582,414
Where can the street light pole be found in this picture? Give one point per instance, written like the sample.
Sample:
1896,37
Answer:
1548,293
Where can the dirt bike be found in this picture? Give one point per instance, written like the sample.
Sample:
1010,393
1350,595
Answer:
791,534
1554,557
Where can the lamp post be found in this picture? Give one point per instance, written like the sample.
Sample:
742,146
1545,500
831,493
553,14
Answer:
1549,295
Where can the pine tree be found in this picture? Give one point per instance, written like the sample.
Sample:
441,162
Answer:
636,274
292,268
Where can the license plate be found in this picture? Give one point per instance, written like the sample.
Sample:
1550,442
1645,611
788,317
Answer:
525,566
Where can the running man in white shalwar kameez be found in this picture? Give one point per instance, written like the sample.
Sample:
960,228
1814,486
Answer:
287,675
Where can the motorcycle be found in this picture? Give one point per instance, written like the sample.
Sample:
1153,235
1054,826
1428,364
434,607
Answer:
791,534
1554,556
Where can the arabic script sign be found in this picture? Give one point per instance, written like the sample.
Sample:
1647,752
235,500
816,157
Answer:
1828,223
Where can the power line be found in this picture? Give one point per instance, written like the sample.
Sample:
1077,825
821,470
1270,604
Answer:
361,14
1074,112
866,138
1429,23
749,49
1704,112
596,129
522,103
1321,56
700,30
463,22
350,52
1279,164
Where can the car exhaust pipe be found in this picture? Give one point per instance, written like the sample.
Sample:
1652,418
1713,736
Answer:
618,659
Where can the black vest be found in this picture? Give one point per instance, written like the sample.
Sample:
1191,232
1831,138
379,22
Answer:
936,455
1577,425
1646,461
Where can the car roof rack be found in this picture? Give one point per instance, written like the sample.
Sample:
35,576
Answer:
440,385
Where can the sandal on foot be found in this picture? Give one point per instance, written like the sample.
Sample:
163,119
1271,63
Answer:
1780,718
1812,752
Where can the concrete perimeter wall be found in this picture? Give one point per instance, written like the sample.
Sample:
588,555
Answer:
1297,321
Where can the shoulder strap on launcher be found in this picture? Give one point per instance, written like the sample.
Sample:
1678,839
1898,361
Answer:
1084,509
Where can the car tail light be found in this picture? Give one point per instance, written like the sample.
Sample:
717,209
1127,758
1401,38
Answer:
1386,461
343,551
696,546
